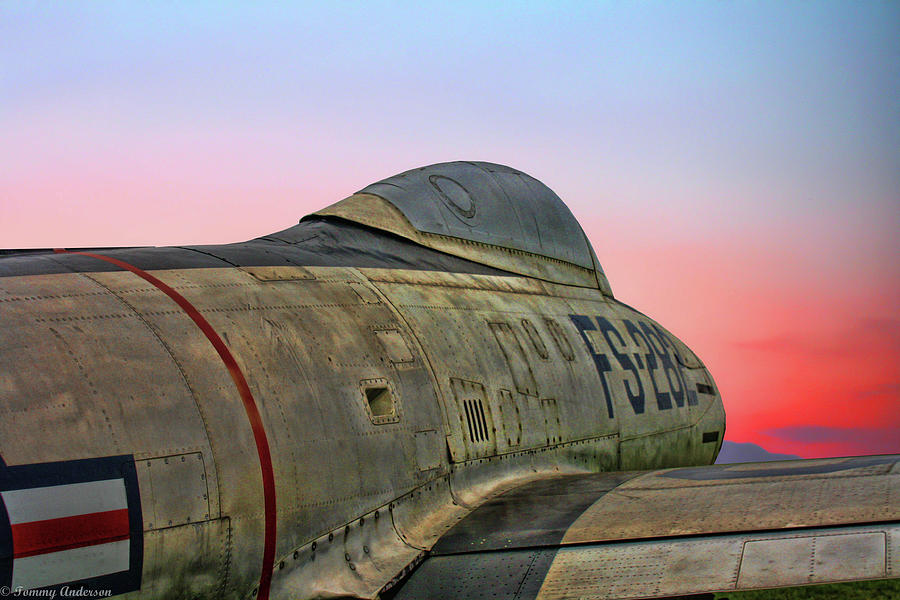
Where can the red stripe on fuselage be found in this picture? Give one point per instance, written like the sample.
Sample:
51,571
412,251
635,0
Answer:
240,382
65,533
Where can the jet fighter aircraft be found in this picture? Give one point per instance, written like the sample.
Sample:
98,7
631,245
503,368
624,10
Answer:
424,391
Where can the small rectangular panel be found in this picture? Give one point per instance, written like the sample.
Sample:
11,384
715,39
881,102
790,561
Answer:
278,273
509,419
199,553
772,563
394,346
428,449
552,425
643,569
179,488
813,559
849,556
516,360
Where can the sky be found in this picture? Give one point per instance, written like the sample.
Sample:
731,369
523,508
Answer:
736,165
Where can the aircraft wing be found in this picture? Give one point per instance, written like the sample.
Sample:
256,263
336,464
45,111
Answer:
673,531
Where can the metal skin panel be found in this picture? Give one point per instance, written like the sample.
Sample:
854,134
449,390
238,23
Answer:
487,203
377,213
353,561
67,341
449,323
323,242
604,507
538,513
179,488
428,449
657,568
813,559
728,563
591,525
515,575
756,496
425,514
188,561
265,324
307,344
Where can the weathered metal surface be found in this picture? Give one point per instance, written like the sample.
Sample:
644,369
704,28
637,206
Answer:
514,574
660,568
378,213
314,242
593,520
488,203
734,562
601,507
813,559
306,372
308,338
353,561
179,487
748,497
534,514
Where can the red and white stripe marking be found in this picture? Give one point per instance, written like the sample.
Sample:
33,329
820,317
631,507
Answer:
68,532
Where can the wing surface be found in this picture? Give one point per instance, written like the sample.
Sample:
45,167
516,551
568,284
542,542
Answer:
673,532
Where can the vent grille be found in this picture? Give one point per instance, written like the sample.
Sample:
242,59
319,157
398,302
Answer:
478,430
474,428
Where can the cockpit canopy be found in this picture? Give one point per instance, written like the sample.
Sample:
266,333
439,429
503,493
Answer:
484,212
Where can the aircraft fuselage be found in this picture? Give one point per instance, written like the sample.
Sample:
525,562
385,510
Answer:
379,404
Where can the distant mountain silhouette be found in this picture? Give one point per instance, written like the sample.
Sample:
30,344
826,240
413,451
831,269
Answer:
736,452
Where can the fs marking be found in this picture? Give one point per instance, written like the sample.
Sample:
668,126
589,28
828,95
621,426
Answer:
643,352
